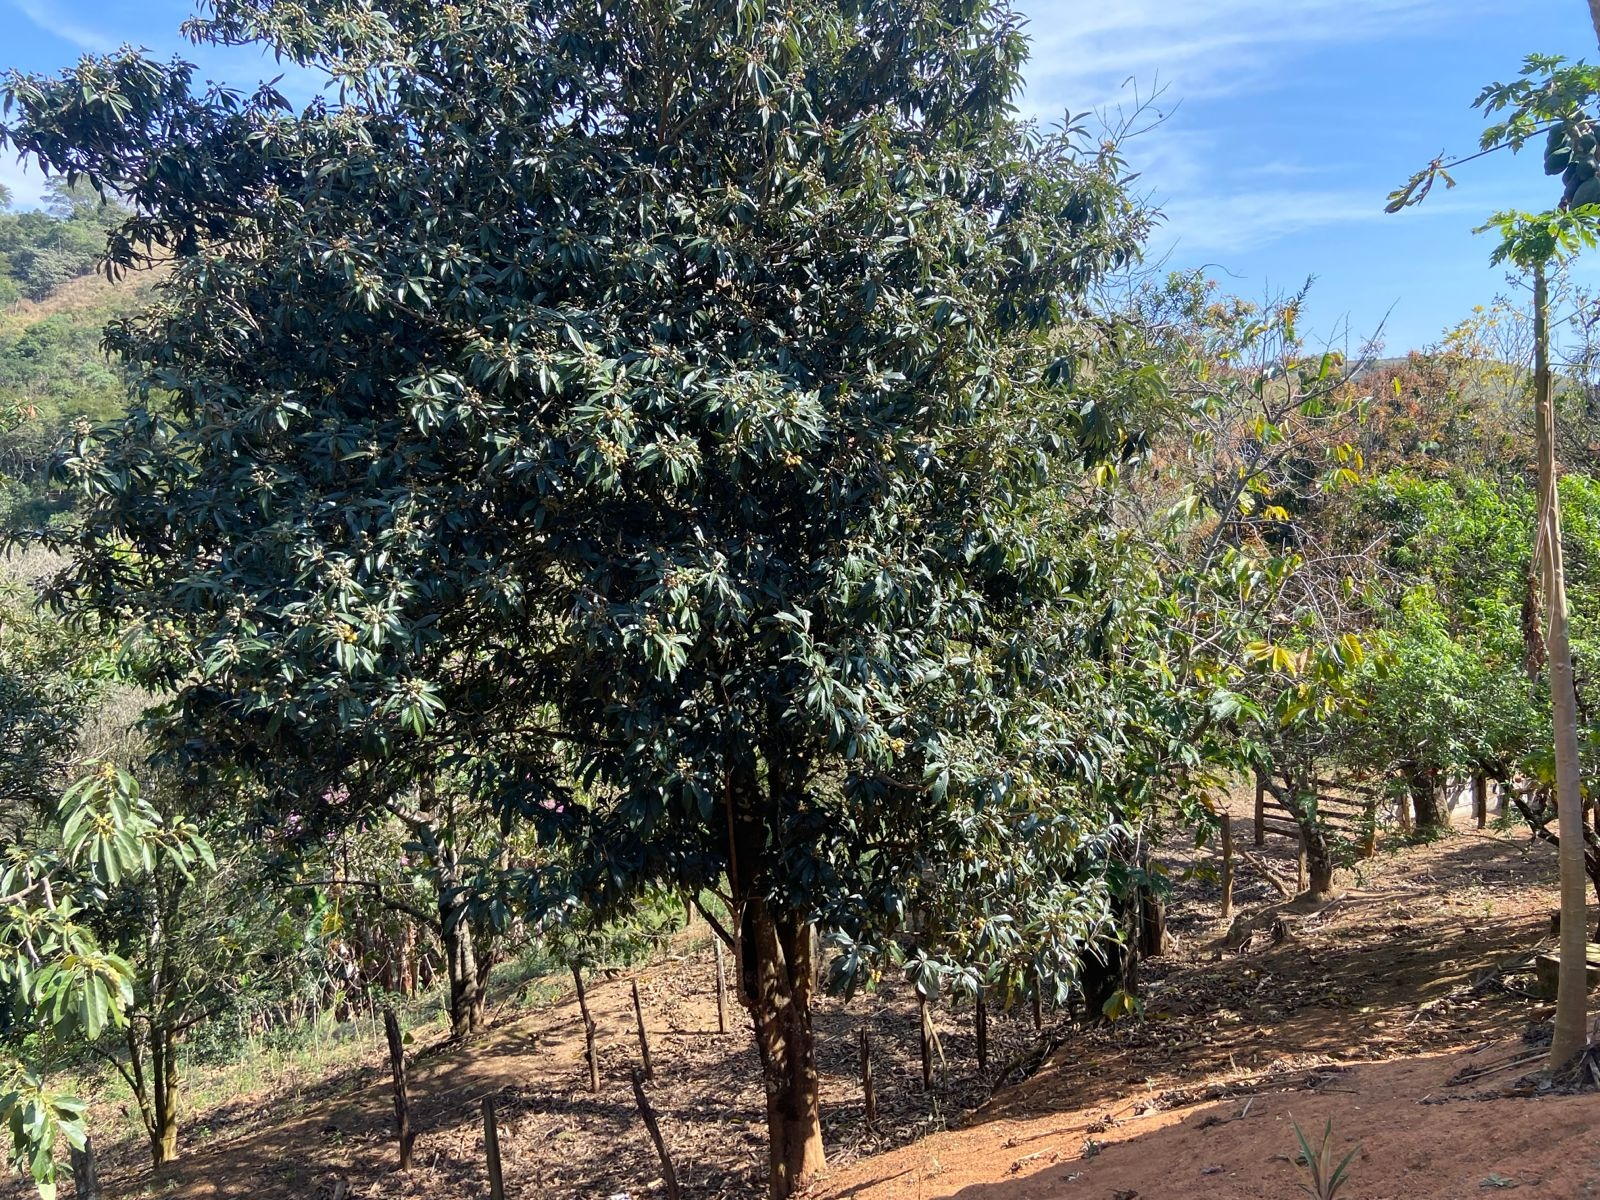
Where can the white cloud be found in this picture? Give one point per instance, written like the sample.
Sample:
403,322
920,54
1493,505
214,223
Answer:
49,17
1227,180
1083,54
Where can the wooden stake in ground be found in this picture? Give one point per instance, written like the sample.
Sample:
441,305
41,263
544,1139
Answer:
589,1053
868,1093
927,1043
1572,999
402,1106
1261,810
1480,800
644,1038
722,988
981,1020
668,1175
1227,867
1038,1006
491,1151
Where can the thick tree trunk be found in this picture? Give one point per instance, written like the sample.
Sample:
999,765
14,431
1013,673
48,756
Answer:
85,1172
468,1002
1319,862
1101,978
1571,1020
778,959
1425,802
1153,939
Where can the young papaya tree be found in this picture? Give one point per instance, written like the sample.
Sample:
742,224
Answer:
663,412
1554,100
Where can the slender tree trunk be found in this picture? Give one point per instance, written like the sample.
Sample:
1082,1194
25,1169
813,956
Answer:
163,1129
1315,847
136,1075
486,951
779,954
1572,999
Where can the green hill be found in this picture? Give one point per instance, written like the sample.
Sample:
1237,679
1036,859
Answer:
53,369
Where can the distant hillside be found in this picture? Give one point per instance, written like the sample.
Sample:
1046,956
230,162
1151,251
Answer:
53,313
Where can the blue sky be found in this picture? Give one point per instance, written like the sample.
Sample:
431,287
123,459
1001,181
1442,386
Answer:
1287,124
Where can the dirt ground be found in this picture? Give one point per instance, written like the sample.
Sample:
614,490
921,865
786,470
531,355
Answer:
1402,1013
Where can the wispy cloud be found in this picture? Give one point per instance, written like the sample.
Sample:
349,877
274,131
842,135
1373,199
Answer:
1228,176
47,15
1083,54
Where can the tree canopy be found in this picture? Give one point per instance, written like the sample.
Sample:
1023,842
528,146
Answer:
663,412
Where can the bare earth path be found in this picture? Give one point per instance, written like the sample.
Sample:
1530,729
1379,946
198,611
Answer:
1361,1013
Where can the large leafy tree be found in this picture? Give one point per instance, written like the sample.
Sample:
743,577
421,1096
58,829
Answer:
662,412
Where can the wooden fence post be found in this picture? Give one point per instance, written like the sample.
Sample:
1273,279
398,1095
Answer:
1261,810
644,1038
981,1019
588,1031
491,1151
668,1175
722,987
1227,866
402,1105
867,1091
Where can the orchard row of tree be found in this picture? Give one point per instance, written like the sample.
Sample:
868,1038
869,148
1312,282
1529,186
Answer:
694,450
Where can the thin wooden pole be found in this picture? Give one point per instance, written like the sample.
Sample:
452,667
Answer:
491,1151
1261,810
402,1105
668,1175
588,1031
1572,1001
927,1043
1227,867
722,987
1038,1006
1302,864
1480,800
644,1038
981,1019
869,1094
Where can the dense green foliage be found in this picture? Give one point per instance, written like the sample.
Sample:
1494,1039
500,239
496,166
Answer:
684,449
42,249
661,413
53,369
